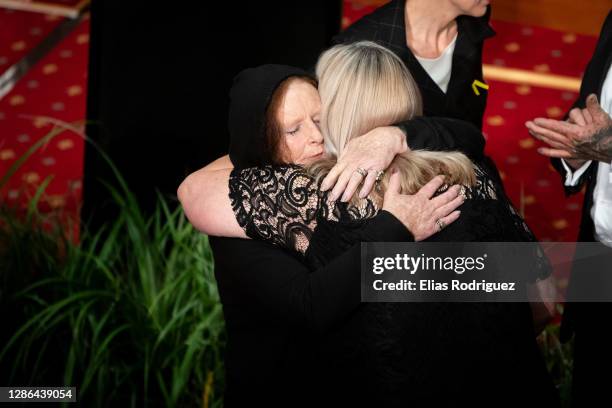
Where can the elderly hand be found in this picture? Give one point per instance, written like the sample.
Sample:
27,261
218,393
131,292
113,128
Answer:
420,213
364,156
586,136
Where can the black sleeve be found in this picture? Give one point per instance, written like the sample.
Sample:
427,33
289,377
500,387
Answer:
264,203
571,190
283,286
441,134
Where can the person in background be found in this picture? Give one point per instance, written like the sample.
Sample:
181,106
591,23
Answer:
581,151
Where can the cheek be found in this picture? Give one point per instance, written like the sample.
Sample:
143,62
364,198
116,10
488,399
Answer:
479,7
473,8
295,146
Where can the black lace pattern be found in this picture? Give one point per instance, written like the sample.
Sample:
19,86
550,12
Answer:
282,204
275,203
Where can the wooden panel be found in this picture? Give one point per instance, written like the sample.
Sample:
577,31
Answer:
582,17
64,8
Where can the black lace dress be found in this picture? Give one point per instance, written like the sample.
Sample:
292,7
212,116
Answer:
403,354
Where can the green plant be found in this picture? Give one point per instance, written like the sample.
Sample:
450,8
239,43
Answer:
558,357
129,315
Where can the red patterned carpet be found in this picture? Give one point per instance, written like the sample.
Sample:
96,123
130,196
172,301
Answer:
53,90
532,184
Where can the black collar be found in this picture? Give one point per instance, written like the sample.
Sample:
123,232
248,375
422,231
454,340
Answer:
477,28
606,38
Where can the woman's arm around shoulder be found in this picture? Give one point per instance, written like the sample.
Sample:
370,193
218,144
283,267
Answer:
259,202
204,196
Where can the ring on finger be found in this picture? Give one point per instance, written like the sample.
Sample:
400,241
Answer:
441,224
379,175
362,171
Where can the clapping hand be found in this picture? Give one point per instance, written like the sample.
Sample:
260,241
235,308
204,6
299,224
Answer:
587,135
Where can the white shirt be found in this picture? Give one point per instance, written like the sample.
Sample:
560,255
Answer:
601,211
439,69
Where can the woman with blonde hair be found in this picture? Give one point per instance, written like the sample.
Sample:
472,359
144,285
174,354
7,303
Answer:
390,354
363,86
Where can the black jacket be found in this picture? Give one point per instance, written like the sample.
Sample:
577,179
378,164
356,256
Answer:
275,308
386,27
592,82
587,321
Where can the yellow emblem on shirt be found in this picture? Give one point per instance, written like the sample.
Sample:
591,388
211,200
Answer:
476,84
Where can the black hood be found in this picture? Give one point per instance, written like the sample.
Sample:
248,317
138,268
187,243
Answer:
250,96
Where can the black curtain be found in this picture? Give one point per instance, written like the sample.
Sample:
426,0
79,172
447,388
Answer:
159,77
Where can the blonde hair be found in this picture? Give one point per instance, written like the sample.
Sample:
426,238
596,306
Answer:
363,86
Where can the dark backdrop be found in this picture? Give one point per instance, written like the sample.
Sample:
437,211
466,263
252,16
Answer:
159,77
